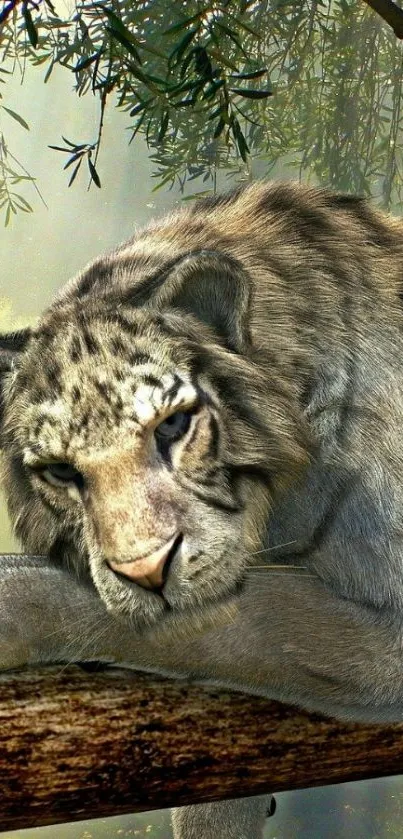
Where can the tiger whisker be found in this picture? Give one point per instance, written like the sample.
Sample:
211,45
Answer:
71,623
265,567
95,636
280,573
274,548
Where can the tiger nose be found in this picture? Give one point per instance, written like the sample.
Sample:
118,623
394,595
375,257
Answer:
147,571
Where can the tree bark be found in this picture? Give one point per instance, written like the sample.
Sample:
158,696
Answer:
77,745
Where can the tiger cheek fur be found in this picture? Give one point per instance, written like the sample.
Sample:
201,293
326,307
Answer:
98,403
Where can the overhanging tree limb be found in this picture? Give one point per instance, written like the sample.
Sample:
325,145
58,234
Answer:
390,13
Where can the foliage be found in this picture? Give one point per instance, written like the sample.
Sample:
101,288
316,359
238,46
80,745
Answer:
214,86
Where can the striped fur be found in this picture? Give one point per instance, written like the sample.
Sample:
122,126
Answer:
273,316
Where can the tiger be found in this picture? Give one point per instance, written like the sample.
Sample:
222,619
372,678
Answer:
201,438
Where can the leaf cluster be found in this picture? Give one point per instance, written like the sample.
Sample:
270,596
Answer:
236,85
78,152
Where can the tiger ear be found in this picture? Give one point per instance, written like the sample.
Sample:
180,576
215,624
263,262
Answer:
216,289
12,344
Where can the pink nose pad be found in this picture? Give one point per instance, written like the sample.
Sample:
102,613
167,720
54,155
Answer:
147,571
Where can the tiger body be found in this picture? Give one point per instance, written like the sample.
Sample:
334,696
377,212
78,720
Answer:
229,384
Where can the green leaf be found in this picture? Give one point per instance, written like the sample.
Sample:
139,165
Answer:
74,175
243,6
17,117
231,34
115,21
202,62
30,27
164,181
94,174
163,127
186,62
243,147
147,79
215,113
247,28
86,61
138,126
212,89
48,72
183,103
177,27
251,94
180,48
205,193
69,143
124,40
219,128
140,107
22,204
255,75
60,148
73,159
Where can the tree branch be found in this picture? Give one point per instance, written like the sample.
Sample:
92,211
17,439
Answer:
390,13
79,745
8,10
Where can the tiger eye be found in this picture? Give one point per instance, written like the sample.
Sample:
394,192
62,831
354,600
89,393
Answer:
61,474
174,426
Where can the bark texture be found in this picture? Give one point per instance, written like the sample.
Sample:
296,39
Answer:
77,745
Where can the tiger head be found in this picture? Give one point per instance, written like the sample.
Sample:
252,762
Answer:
144,435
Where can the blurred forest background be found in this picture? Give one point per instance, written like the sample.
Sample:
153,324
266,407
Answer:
152,103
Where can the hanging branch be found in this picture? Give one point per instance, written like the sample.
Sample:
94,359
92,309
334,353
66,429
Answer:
8,10
390,13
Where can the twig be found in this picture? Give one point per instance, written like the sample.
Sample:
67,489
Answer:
7,11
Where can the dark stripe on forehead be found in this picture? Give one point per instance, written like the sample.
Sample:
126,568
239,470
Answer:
118,346
125,324
104,389
149,379
54,374
38,396
137,358
76,352
91,344
171,392
344,201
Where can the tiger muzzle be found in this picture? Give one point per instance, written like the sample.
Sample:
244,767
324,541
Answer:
149,571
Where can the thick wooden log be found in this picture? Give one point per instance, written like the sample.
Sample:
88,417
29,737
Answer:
77,745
